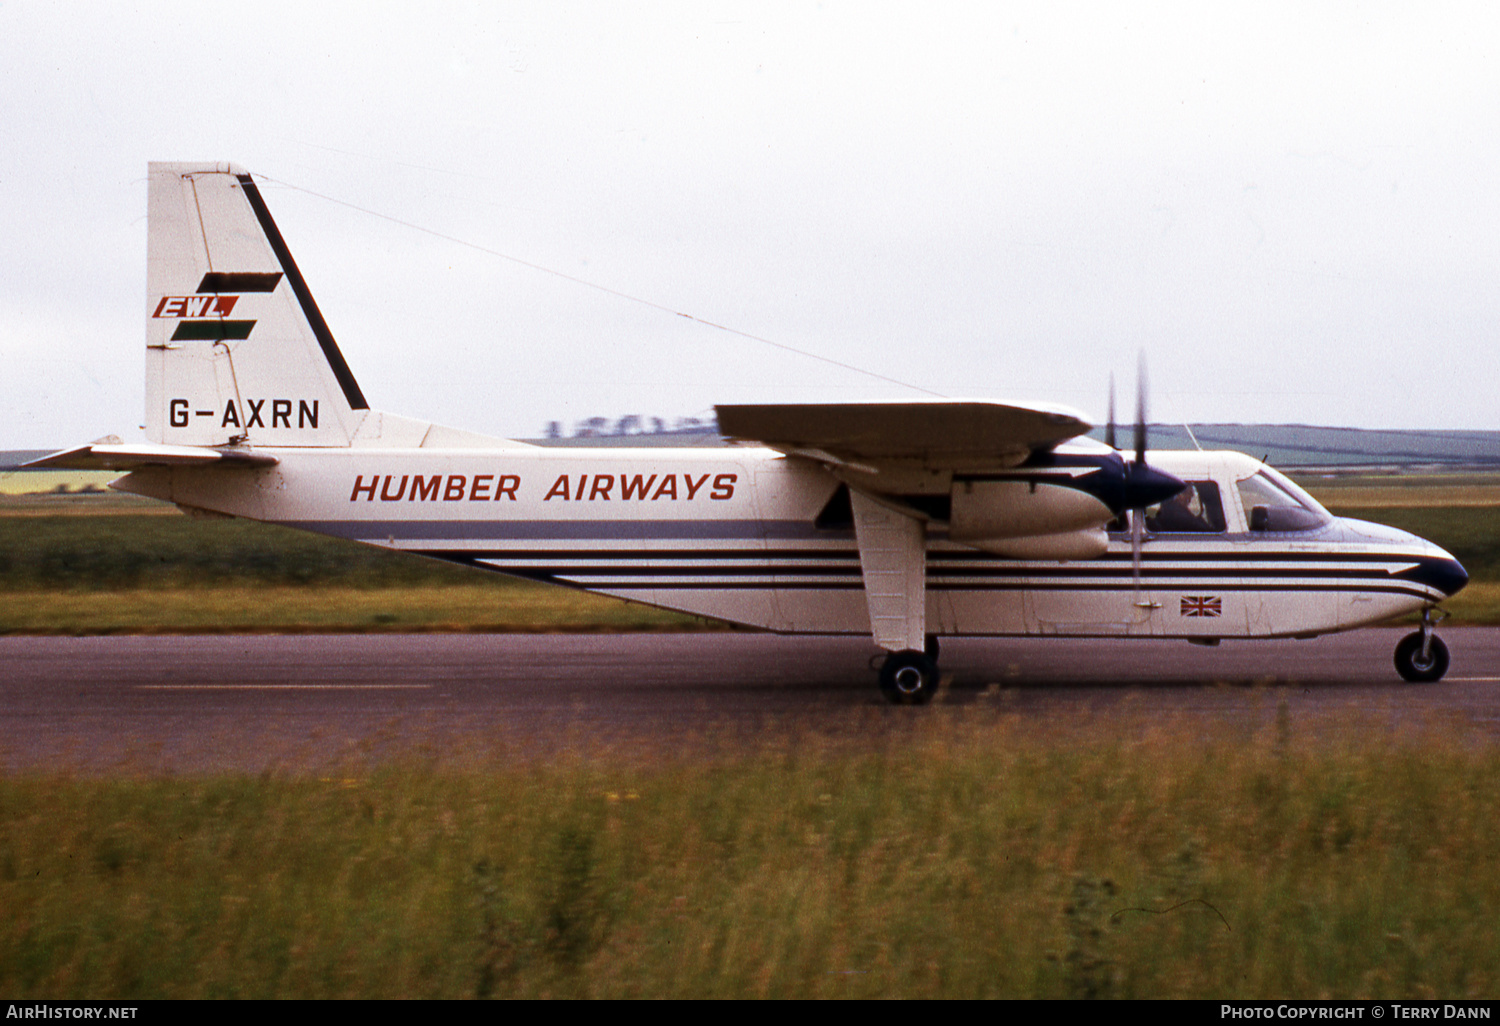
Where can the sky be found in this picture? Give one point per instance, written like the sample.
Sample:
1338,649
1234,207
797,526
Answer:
1291,209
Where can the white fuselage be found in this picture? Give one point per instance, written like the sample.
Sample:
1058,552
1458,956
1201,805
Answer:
734,533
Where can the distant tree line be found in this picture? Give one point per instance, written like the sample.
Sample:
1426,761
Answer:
634,424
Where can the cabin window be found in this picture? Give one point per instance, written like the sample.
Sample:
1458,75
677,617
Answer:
1275,504
1197,509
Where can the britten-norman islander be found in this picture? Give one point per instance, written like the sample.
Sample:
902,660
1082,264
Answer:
906,521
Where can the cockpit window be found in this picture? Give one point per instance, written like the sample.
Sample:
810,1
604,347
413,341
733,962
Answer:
1195,509
1272,503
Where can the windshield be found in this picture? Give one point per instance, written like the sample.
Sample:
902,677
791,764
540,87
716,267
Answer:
1273,503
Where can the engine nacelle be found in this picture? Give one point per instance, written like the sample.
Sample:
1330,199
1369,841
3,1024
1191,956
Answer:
1026,520
995,510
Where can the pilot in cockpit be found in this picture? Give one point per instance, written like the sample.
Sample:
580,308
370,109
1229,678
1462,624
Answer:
1176,514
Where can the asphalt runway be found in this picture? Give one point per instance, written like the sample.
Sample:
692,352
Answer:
258,703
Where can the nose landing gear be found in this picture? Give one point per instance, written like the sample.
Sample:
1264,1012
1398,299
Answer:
1421,656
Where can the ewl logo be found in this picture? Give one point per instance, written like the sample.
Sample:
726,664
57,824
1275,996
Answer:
195,306
204,316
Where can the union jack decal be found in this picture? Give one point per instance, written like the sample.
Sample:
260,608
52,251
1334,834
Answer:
1201,605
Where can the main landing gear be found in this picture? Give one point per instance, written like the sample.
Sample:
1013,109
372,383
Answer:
910,677
1421,657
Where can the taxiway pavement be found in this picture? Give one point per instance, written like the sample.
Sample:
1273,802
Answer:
267,702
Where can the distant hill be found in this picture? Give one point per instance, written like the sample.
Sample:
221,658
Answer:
1295,446
1306,446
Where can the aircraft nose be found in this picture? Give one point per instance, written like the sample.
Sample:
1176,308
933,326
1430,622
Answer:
1446,574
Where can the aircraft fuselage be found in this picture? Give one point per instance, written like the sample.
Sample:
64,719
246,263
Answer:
748,535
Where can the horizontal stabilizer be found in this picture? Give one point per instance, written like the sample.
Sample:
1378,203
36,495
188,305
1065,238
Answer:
132,457
954,434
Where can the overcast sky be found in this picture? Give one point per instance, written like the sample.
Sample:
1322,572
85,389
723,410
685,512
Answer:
1291,209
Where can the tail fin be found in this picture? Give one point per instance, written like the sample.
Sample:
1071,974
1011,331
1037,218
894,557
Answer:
236,349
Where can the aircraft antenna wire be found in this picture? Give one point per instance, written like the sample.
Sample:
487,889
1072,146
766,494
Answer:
1177,411
606,289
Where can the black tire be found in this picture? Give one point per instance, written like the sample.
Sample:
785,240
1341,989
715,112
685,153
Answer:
933,649
909,678
1409,662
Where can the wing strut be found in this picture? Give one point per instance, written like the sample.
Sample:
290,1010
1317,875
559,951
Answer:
893,557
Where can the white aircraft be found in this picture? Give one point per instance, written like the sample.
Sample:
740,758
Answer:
903,520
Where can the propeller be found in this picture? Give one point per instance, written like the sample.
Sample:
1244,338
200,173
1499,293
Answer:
1143,485
1109,429
1137,521
1140,408
1140,484
1138,515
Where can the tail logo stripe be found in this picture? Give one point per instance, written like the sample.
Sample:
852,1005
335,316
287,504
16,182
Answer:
212,331
245,281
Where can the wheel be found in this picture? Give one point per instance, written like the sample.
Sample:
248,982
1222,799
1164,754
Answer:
933,648
909,678
1411,665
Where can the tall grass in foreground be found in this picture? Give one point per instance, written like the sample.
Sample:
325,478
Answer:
950,860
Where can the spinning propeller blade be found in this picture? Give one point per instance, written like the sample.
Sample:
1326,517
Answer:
1140,409
1109,429
1143,486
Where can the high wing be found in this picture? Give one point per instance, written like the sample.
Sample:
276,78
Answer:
939,434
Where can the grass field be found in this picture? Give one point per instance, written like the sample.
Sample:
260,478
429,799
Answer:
88,564
1390,490
474,605
1317,860
78,565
